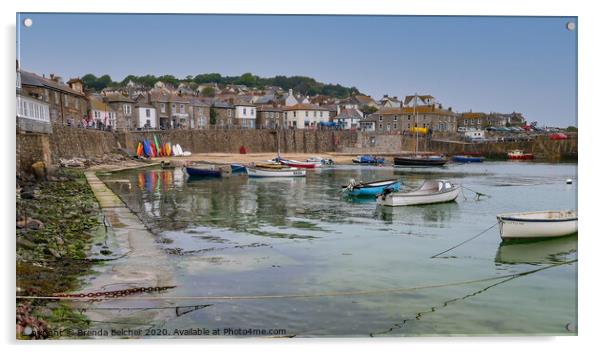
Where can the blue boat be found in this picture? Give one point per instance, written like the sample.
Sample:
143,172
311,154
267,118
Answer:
468,159
237,168
368,159
203,171
372,188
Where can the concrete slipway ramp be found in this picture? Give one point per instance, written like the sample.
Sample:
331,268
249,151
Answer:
141,264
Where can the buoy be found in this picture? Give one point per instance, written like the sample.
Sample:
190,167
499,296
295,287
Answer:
569,181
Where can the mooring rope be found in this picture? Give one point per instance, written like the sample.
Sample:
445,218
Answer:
465,241
311,295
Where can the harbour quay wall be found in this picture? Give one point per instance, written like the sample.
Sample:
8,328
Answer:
254,141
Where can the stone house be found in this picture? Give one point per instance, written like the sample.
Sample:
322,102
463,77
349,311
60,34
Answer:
269,117
33,114
100,115
224,114
124,110
402,119
67,104
199,114
172,110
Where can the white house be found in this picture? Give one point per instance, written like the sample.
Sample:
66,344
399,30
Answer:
349,118
305,116
245,115
146,116
422,100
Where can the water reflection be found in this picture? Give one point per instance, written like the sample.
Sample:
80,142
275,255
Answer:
547,251
437,215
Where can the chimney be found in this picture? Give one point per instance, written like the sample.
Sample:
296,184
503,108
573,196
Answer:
290,91
386,96
395,97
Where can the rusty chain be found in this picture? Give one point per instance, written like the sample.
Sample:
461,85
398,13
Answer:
114,293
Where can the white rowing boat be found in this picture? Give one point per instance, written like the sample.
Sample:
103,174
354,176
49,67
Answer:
275,173
542,224
432,191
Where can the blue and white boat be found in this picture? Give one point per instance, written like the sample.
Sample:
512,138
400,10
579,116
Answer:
203,171
237,168
468,159
371,188
368,159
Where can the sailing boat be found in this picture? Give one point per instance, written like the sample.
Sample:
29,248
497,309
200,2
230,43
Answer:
424,159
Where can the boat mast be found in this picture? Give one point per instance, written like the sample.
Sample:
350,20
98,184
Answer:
415,125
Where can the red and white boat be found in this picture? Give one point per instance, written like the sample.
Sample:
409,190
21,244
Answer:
518,154
299,164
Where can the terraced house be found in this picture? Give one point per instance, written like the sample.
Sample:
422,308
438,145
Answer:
172,110
305,116
245,114
124,110
224,114
199,114
400,120
67,103
269,117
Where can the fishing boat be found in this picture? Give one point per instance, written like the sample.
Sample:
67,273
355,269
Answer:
255,172
533,225
468,159
298,164
419,160
372,188
237,168
519,155
368,159
431,191
204,170
320,160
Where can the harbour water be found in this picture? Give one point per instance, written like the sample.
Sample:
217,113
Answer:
302,239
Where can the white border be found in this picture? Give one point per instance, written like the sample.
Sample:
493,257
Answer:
590,128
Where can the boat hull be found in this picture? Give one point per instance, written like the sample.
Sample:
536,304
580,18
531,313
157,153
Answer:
520,157
418,162
517,227
296,164
373,190
394,200
275,173
200,172
237,168
468,159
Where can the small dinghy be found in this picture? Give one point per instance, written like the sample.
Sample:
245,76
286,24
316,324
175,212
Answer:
237,168
370,188
299,164
532,225
167,165
255,172
432,191
468,159
519,155
320,160
204,170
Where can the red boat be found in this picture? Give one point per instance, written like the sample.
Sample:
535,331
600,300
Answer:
520,155
297,164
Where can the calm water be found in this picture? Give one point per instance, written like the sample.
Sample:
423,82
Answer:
240,236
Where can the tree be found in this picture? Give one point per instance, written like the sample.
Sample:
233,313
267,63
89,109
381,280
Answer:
571,129
208,92
212,116
368,109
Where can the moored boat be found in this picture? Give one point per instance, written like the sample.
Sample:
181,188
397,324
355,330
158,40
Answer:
202,170
255,172
468,159
372,188
368,159
419,160
320,160
237,168
541,224
167,165
431,191
519,155
298,164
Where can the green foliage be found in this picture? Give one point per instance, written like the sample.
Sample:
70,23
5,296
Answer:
368,109
212,116
571,129
303,84
208,92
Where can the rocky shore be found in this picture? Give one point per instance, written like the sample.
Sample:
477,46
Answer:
56,217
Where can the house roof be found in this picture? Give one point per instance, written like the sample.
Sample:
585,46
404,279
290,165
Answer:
305,106
423,98
268,108
349,114
118,98
31,79
95,104
197,102
222,104
167,97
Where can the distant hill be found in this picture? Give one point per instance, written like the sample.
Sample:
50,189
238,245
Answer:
303,84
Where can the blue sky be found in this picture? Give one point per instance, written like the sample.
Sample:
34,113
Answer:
485,64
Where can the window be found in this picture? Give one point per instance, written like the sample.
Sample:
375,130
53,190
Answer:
173,107
182,108
56,98
229,113
294,114
244,123
251,124
321,114
162,107
127,109
66,100
46,94
380,118
315,114
306,113
395,125
244,111
76,103
380,126
148,113
252,112
395,118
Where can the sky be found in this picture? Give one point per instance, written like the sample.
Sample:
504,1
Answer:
483,64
